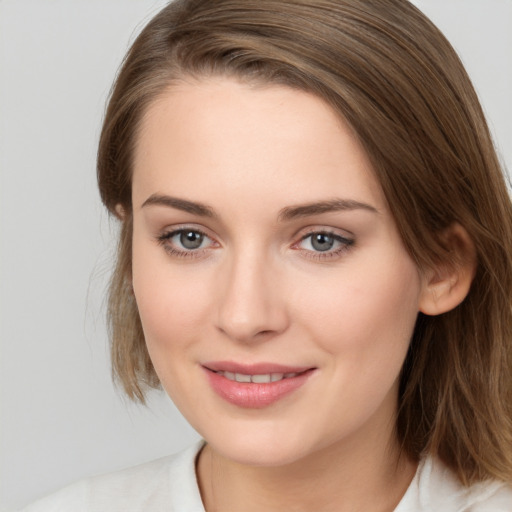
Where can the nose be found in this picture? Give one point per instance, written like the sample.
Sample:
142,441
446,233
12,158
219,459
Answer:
253,305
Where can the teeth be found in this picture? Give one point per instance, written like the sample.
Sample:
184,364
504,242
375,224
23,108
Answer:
257,379
261,379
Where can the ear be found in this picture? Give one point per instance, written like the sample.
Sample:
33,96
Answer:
448,284
119,211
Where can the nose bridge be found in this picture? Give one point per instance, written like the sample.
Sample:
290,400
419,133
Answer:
251,305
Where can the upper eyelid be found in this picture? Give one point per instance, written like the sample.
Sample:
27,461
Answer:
172,230
328,230
325,232
167,235
340,238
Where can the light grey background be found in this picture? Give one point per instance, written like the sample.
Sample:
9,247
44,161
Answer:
61,418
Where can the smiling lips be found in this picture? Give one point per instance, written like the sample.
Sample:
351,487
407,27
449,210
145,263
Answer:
257,379
254,386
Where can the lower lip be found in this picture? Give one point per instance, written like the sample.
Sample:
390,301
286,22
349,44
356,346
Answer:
252,395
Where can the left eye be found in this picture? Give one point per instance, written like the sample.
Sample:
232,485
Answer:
323,242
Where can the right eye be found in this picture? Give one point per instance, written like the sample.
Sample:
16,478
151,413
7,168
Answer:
185,241
189,239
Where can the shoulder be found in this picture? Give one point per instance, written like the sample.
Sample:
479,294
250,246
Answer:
435,487
166,484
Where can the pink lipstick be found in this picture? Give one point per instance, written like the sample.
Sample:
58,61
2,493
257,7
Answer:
254,386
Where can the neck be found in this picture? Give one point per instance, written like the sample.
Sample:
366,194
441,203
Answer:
351,475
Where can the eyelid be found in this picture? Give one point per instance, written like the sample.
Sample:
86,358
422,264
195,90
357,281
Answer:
165,235
328,230
332,234
346,243
176,228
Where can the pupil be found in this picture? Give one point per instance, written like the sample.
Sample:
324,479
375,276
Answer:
191,239
322,242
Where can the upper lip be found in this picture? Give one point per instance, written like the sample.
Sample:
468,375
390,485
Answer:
253,368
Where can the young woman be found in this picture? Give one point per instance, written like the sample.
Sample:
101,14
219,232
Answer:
314,262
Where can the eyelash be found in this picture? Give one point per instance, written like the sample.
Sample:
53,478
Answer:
345,245
165,238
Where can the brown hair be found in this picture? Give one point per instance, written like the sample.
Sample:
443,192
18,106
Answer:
389,72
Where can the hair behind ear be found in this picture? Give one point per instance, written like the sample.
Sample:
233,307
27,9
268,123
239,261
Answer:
456,385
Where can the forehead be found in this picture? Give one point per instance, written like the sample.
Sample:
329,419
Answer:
237,136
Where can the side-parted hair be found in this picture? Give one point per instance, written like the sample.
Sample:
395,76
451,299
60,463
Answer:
386,70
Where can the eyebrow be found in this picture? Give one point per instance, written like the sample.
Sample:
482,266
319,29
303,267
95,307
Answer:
202,210
316,208
286,214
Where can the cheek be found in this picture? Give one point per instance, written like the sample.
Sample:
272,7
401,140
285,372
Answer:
365,326
172,304
172,311
374,307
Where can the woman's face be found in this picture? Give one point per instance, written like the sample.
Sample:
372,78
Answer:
263,250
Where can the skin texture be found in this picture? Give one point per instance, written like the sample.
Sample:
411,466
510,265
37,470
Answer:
257,290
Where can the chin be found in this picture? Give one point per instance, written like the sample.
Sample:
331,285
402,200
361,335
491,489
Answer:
249,454
260,445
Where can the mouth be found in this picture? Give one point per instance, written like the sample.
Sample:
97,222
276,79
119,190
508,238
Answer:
255,386
263,378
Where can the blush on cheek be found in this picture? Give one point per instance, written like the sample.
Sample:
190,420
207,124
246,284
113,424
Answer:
353,319
169,308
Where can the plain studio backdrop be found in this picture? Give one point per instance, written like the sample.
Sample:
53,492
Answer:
61,417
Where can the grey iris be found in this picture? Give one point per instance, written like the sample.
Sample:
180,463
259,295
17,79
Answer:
322,242
191,239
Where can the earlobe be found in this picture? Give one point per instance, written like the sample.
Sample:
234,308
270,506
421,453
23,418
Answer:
448,284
